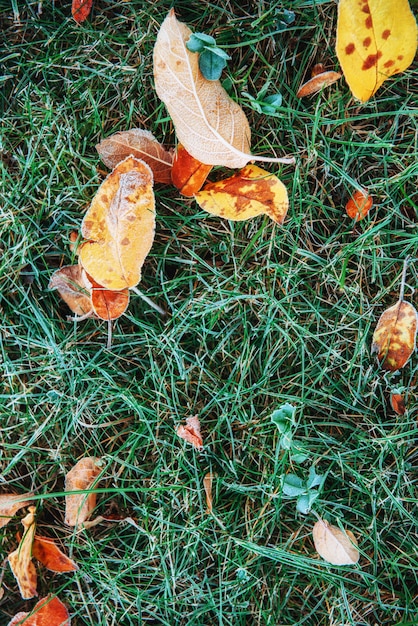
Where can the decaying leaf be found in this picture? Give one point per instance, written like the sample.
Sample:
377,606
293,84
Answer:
78,507
107,305
140,144
359,205
249,193
191,432
317,82
49,611
375,40
207,485
212,127
10,503
119,226
188,174
46,551
395,336
334,545
397,402
20,560
71,286
80,9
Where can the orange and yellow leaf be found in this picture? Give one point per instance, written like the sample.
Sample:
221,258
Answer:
395,336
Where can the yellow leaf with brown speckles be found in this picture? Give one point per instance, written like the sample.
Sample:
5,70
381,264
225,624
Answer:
250,192
20,560
119,226
375,40
395,336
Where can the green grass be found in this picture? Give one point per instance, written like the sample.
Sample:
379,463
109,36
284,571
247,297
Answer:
259,315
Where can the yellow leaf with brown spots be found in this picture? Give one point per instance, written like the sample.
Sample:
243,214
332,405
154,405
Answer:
375,40
250,192
20,560
395,336
119,226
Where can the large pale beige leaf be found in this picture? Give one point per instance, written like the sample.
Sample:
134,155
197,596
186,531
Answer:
212,127
10,503
20,560
78,507
141,144
334,545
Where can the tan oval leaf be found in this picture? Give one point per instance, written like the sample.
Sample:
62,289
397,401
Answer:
250,192
191,432
46,551
119,226
395,336
334,545
140,144
69,283
20,560
10,503
49,611
78,507
317,82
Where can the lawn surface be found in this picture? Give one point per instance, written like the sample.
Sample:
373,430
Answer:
259,315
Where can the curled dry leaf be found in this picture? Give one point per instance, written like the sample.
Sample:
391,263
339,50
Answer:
397,402
249,193
78,507
375,40
20,560
191,432
334,545
207,485
119,226
212,127
46,551
317,82
140,144
359,205
395,336
71,286
49,611
10,503
80,9
188,174
107,305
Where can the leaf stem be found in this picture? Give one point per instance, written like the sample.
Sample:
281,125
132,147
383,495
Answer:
148,301
403,278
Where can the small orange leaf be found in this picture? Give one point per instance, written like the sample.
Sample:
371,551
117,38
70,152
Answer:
49,611
69,283
20,560
395,336
10,503
188,174
397,402
107,304
250,192
80,9
316,83
359,205
319,68
46,551
191,432
78,507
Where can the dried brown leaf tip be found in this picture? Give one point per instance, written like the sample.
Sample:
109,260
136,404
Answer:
10,503
191,432
317,82
207,486
20,560
336,546
359,205
78,507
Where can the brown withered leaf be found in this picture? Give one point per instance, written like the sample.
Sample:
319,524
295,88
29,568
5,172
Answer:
191,432
316,83
395,336
188,174
78,507
140,144
49,611
80,9
248,193
46,551
119,226
207,485
70,284
20,560
208,123
10,503
107,305
334,545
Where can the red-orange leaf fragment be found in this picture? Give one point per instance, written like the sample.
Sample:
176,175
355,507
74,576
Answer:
359,205
191,432
188,174
49,611
20,560
80,9
397,402
107,304
78,507
10,503
46,551
250,192
395,336
317,82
